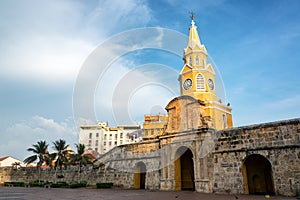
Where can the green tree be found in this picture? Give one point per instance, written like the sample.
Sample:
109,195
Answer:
16,165
79,158
50,159
40,151
61,153
41,154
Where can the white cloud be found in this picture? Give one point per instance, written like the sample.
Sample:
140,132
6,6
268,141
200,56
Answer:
22,135
42,41
127,91
108,62
45,59
149,99
48,41
114,14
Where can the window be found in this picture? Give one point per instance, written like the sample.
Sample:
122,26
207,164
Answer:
104,143
121,141
197,60
90,143
109,143
110,136
121,135
96,143
158,131
190,61
96,149
200,82
116,136
97,134
224,121
104,136
115,142
91,135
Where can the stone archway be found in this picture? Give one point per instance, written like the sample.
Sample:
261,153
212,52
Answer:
184,169
257,173
140,176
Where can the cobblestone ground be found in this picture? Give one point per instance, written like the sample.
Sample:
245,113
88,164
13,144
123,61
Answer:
117,194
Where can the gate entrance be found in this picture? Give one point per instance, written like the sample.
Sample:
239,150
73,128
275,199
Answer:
257,172
140,176
184,169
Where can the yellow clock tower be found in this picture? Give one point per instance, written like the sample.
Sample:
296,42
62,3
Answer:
197,79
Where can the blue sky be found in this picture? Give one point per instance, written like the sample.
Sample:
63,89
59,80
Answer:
43,44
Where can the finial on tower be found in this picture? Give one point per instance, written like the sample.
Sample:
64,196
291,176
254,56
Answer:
192,15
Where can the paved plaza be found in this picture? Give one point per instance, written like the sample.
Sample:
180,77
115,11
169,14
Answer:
18,193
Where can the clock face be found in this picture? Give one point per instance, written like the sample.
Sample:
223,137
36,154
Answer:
187,84
211,84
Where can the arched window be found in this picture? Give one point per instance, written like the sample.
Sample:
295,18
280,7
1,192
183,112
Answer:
197,61
190,61
200,82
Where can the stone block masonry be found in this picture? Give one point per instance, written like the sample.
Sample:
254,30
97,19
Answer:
277,142
256,159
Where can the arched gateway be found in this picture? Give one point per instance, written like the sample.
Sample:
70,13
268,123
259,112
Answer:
257,172
140,176
184,169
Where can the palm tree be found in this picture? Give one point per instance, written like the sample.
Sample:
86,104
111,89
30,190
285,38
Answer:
40,151
61,153
79,158
16,165
50,159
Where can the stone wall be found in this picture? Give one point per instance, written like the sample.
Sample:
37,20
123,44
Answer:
30,174
117,166
278,142
219,157
121,179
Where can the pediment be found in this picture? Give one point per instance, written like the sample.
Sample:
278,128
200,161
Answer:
186,68
210,69
185,113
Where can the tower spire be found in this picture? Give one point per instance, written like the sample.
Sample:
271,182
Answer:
193,37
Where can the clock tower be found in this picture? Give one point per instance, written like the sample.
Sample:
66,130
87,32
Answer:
197,79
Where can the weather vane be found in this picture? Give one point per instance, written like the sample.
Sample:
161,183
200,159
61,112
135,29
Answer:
192,15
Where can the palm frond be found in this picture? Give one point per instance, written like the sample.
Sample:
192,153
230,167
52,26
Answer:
30,159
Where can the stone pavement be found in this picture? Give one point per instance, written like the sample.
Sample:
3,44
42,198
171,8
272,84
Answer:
18,193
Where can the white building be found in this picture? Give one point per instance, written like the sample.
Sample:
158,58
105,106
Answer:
8,161
102,138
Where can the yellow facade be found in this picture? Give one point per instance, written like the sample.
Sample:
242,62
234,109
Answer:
197,79
154,126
